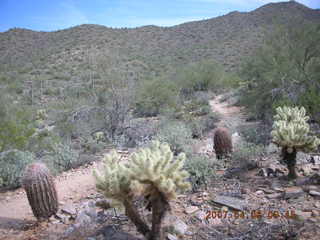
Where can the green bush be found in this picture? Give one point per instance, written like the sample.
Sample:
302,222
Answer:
12,164
177,134
284,71
201,170
246,153
204,76
259,134
62,158
154,95
16,125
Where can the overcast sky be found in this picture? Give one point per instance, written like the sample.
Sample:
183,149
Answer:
50,15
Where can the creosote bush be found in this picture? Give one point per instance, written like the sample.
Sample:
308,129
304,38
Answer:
291,132
152,172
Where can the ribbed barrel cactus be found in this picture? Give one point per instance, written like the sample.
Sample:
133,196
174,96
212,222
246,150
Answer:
222,142
41,191
152,172
291,132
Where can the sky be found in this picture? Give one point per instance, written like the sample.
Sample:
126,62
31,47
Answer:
51,15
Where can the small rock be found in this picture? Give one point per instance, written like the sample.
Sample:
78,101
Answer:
314,193
69,209
272,148
171,237
274,195
303,157
317,204
180,227
231,202
293,192
308,188
315,160
191,209
259,192
303,215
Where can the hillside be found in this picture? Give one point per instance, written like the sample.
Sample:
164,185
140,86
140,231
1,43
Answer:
147,49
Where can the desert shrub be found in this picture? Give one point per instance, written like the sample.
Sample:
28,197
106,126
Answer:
283,71
258,134
209,121
62,158
204,76
16,125
201,170
140,131
247,152
176,133
12,164
154,95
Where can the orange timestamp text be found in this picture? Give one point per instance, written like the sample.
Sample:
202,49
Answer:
253,214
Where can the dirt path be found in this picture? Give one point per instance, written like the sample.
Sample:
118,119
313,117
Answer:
230,116
79,184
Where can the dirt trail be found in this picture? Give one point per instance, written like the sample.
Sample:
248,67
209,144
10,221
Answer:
230,116
78,184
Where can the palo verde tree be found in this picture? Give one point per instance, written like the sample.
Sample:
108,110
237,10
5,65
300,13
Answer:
152,172
292,133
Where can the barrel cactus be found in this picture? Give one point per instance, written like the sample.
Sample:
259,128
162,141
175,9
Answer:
222,142
291,132
151,172
41,191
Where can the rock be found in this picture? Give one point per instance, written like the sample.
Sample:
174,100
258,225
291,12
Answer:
308,188
274,195
231,202
171,237
272,148
303,215
111,233
259,192
306,169
314,193
191,209
180,227
293,192
236,138
315,160
303,157
69,209
83,219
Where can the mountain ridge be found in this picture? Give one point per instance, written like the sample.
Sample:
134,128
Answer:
225,39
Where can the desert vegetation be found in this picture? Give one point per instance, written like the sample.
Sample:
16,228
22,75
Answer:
201,118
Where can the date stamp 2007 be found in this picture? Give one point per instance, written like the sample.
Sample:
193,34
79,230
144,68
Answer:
253,214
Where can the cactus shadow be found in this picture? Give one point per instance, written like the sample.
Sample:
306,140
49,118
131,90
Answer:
16,224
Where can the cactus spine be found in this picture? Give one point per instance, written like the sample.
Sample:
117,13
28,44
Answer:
41,191
291,132
222,142
152,172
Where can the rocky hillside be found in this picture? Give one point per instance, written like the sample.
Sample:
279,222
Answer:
146,49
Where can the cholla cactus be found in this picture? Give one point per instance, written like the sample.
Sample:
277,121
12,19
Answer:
291,132
151,171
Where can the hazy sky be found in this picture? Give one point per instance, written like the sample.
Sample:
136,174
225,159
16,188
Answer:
49,15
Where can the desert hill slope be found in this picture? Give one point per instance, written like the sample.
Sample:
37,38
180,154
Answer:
150,48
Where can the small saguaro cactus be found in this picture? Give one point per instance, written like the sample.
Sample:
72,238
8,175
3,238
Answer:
152,172
222,142
41,191
291,132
